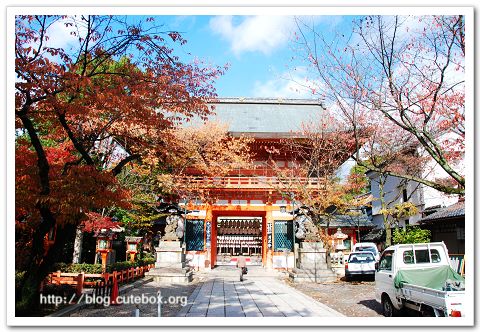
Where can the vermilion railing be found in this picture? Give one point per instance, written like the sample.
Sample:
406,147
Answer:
78,279
257,182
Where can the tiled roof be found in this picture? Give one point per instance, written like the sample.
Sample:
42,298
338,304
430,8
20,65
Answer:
265,117
348,221
375,235
452,211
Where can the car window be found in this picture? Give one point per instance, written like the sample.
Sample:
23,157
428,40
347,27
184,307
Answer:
385,263
421,256
408,257
361,258
435,256
369,249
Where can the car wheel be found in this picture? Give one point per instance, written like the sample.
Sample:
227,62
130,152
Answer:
388,308
347,277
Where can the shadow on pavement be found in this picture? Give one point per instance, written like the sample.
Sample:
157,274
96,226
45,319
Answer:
372,304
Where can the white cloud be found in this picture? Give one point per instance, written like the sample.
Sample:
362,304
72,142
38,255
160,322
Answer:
63,36
254,33
59,35
292,84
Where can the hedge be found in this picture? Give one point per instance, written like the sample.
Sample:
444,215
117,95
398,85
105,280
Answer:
97,268
118,266
77,268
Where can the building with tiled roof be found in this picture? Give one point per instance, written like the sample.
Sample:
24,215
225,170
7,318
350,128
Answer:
453,211
448,225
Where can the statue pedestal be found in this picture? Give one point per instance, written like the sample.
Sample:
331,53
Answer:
170,264
312,264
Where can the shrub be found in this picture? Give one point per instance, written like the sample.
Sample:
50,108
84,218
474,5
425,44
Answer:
146,261
118,266
411,234
19,276
147,254
97,268
77,268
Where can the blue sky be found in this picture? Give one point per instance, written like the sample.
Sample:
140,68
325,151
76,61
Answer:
258,49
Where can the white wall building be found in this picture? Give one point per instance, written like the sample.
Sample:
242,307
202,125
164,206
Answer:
397,190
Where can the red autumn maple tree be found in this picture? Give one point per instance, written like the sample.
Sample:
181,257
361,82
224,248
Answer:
100,100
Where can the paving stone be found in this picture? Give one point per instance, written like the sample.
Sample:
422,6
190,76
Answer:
197,312
216,313
194,315
255,297
253,314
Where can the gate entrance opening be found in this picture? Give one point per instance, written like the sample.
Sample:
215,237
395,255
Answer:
239,236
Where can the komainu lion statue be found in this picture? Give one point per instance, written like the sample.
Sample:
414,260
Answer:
306,229
174,229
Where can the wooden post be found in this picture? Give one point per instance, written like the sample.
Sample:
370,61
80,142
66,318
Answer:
270,238
80,281
104,261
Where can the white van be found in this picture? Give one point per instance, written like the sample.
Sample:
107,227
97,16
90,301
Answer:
367,246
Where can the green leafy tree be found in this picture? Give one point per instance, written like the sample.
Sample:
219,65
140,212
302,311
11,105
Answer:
411,234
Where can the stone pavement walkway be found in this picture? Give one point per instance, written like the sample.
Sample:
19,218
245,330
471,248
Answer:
256,296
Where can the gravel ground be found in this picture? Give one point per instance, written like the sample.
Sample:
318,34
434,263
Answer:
173,295
353,299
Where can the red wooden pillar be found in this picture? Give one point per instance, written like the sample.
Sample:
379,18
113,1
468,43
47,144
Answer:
213,245
80,281
264,241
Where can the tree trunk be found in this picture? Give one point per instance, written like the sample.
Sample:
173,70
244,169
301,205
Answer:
388,235
77,246
29,291
386,223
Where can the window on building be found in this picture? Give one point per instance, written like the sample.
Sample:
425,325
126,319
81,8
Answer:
194,235
283,232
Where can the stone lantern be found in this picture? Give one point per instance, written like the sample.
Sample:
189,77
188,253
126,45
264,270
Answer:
132,246
338,239
104,243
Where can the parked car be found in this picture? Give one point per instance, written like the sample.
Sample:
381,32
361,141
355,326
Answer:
360,263
367,246
419,277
